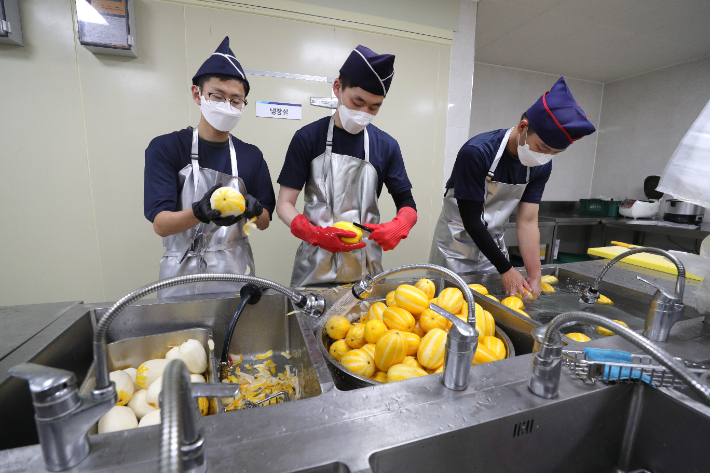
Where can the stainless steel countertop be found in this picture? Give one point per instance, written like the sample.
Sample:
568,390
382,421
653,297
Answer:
20,323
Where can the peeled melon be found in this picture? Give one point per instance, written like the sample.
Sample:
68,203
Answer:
118,418
193,354
229,201
150,371
124,386
151,418
139,405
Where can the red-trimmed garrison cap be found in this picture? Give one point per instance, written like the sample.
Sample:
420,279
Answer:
557,118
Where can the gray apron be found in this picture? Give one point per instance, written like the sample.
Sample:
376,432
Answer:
339,188
206,247
452,247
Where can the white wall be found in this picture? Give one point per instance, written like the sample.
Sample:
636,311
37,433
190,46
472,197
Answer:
74,127
642,122
501,95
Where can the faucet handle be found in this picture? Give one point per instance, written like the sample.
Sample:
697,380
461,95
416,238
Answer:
214,389
45,381
672,296
463,332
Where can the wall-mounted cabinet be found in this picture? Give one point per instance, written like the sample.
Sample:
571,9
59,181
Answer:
10,27
107,26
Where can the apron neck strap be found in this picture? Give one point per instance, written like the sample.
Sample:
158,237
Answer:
499,154
329,140
194,157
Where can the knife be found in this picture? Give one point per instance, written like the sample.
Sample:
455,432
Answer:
362,227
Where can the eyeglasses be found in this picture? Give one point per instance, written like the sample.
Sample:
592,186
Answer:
216,97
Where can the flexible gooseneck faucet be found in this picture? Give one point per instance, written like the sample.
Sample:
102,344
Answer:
666,308
547,360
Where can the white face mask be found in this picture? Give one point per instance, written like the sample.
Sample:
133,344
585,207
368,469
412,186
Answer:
220,115
353,121
531,158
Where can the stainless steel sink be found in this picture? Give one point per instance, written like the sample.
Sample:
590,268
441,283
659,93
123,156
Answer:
625,428
66,344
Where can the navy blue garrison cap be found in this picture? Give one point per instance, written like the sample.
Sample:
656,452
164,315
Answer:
557,118
223,62
368,70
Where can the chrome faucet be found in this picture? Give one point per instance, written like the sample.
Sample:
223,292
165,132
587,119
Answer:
64,418
462,340
666,307
182,434
547,356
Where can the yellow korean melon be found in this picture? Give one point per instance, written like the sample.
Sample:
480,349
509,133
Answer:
379,376
204,405
603,300
411,361
440,369
513,302
485,324
370,349
608,333
521,311
546,288
450,299
229,202
390,350
413,341
374,329
389,300
478,288
491,296
580,337
430,320
427,287
397,318
496,346
430,353
483,355
356,336
400,372
549,279
351,228
338,349
337,327
359,362
418,330
376,311
412,299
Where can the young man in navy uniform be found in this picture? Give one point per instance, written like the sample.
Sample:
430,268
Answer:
494,173
343,162
184,168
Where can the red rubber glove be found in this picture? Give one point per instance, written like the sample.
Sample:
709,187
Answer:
388,235
327,238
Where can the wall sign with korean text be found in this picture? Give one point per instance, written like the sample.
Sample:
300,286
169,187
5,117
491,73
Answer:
289,111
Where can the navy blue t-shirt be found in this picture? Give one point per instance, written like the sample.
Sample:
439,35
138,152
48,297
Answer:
475,159
309,142
168,154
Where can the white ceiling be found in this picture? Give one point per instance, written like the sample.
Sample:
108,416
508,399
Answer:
597,40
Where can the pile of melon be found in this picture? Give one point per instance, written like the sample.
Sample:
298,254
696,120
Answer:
402,338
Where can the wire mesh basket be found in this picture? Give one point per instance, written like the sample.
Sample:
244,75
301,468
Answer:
642,369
